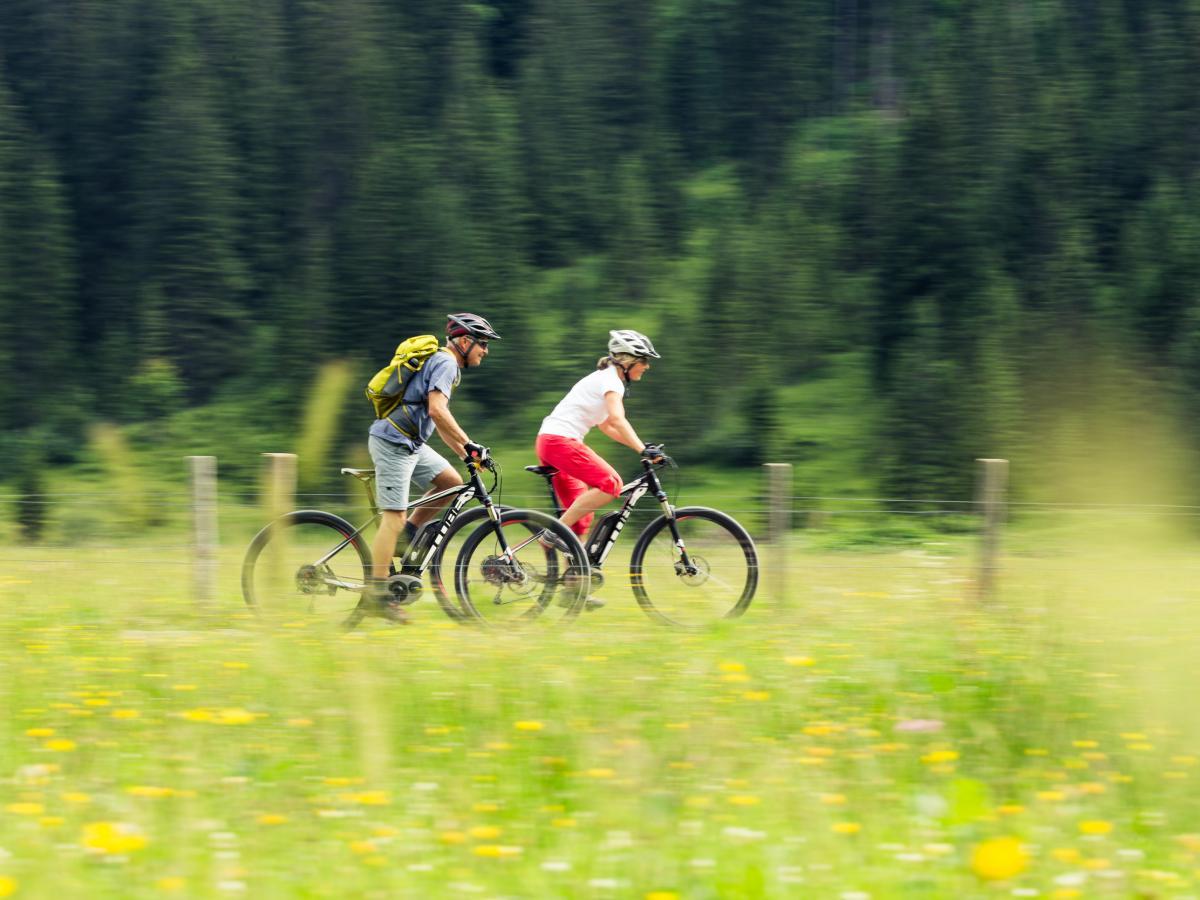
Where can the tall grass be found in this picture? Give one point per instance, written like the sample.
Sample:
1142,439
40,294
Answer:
880,736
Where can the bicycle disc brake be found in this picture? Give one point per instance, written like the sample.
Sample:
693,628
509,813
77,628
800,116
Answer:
697,575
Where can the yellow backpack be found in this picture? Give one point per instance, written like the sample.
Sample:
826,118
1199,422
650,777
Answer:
386,389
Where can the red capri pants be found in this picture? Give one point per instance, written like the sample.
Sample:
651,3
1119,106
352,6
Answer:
579,468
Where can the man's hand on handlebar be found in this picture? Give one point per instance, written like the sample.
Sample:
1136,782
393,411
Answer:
477,454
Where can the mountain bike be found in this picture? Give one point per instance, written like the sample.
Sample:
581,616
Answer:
689,566
316,563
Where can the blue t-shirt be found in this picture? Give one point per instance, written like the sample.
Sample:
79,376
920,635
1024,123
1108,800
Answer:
440,373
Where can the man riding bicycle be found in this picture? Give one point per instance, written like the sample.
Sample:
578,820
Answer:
404,460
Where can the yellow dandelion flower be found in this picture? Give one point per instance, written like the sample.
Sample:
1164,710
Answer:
125,713
731,667
96,701
60,745
735,677
799,660
51,821
744,800
8,886
1066,855
1051,796
846,827
25,809
341,781
486,832
1010,809
172,884
1067,893
115,838
362,847
833,799
496,851
39,732
183,687
1096,864
1189,841
756,696
678,726
235,716
485,807
197,715
939,756
1085,745
452,837
272,819
563,823
368,798
662,895
146,790
528,725
236,665
76,798
599,773
999,859
1036,751
1095,827
300,723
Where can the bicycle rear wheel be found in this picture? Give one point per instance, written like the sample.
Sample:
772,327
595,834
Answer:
307,563
494,590
724,576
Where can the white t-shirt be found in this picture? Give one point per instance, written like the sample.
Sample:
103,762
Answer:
584,405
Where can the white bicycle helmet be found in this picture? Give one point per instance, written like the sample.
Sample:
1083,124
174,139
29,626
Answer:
632,342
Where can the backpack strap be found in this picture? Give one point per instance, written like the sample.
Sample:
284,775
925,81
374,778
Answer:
404,403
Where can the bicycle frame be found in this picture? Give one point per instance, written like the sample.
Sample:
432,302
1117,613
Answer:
647,482
410,562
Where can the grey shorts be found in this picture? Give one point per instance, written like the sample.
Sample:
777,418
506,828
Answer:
397,467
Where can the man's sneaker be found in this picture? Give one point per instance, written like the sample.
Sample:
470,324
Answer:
548,538
377,601
394,613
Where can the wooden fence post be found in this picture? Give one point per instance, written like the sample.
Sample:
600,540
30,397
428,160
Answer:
280,489
779,523
204,528
991,501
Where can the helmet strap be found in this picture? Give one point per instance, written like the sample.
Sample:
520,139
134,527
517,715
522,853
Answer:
463,356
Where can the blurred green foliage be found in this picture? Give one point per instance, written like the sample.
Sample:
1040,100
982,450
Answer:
876,239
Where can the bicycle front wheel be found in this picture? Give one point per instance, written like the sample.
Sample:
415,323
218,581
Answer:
717,580
307,563
513,588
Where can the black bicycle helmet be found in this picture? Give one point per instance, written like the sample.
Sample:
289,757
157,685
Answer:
470,325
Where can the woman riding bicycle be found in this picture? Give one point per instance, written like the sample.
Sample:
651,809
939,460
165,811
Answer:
585,482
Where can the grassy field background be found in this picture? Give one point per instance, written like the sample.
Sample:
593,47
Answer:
874,732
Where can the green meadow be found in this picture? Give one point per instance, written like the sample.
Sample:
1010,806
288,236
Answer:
875,731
